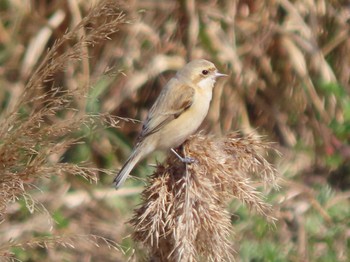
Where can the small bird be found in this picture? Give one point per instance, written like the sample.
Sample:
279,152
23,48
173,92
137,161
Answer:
176,114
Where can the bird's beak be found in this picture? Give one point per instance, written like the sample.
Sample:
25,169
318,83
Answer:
217,74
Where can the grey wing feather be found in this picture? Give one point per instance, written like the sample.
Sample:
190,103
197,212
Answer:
173,100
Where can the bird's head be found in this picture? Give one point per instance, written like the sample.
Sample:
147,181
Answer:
200,72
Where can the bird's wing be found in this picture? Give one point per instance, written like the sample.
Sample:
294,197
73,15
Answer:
173,100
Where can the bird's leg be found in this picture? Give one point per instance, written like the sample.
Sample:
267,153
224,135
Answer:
186,159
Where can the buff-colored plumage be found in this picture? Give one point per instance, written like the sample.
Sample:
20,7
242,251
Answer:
177,113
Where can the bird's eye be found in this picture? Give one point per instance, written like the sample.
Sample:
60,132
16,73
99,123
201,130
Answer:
205,72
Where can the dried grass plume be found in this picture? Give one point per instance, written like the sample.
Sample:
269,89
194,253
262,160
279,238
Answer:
183,216
45,120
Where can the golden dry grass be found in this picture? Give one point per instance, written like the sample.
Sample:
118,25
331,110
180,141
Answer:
183,214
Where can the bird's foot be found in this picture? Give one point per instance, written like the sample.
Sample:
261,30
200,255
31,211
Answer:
186,159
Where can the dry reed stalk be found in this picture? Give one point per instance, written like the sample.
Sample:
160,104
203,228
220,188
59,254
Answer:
42,122
183,216
56,241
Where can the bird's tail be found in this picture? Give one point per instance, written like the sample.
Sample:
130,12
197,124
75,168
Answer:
133,159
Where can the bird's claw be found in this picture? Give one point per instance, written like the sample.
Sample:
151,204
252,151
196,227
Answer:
188,160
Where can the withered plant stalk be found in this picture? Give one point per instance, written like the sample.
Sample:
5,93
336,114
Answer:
40,127
183,216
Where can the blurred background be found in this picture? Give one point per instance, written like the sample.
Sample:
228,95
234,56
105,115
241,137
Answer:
289,79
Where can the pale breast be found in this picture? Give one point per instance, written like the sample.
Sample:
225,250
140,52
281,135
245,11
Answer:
179,129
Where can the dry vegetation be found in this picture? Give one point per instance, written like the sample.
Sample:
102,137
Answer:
183,216
65,116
